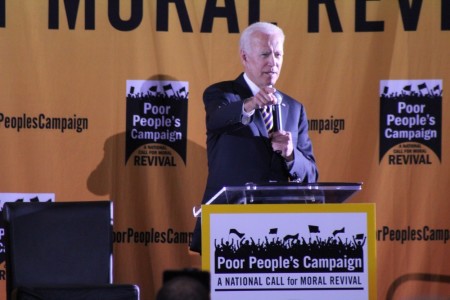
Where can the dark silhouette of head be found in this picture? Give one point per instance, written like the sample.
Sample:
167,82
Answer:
183,288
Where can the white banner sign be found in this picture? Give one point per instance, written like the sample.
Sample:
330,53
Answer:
291,251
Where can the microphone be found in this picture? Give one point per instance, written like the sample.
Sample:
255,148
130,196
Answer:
276,111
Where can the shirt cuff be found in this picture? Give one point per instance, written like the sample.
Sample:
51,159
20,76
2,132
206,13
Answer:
246,117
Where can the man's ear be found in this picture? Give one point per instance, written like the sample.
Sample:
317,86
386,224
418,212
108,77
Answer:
243,56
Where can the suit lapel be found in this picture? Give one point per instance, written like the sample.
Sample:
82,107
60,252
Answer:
259,122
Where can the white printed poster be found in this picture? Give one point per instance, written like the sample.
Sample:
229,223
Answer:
314,252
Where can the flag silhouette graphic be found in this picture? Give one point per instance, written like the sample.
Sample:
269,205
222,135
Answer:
339,231
290,237
234,231
313,229
359,236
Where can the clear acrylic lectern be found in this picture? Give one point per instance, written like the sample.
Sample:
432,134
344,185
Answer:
284,193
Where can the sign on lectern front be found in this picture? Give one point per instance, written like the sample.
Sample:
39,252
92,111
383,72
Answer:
290,251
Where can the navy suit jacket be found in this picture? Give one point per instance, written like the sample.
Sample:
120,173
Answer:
242,153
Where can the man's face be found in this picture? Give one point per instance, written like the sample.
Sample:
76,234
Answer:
262,61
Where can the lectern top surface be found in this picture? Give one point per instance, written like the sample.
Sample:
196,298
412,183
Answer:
285,193
356,186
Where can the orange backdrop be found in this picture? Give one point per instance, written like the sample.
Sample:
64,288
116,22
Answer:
74,62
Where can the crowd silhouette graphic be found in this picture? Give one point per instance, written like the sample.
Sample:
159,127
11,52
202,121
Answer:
293,247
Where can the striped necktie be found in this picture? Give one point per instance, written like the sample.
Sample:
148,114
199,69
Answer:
268,118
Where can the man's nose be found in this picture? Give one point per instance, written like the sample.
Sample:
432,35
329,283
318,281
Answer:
272,59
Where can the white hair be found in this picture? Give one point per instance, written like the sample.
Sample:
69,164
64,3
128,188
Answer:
263,27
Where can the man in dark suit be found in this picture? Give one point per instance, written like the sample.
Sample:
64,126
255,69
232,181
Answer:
240,147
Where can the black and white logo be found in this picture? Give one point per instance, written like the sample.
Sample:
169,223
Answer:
156,122
410,121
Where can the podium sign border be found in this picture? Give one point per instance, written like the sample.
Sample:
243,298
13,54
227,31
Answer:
365,208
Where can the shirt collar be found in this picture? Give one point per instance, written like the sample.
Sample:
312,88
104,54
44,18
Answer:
253,87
